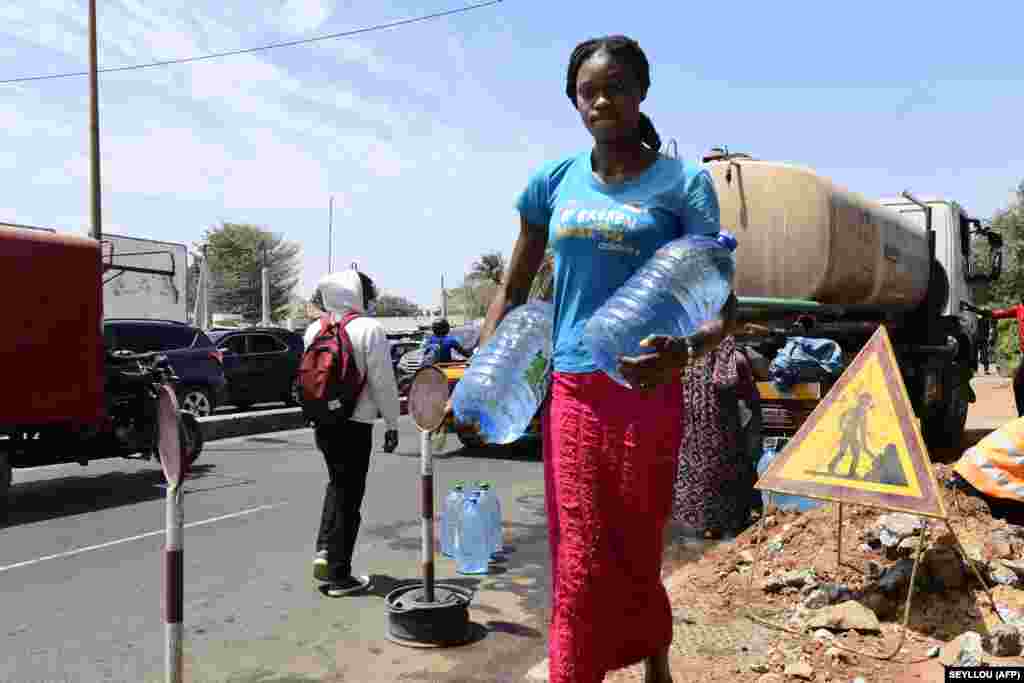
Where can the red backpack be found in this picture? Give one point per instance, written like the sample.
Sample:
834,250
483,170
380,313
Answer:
330,380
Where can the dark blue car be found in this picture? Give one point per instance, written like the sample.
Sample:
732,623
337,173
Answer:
191,353
261,364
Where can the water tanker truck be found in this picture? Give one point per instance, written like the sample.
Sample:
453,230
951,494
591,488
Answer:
816,260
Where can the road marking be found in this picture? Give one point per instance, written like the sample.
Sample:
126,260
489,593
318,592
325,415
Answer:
101,546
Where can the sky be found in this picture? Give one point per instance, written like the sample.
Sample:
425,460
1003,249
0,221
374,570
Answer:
425,134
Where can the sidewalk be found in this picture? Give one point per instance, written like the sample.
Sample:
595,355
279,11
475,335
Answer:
345,639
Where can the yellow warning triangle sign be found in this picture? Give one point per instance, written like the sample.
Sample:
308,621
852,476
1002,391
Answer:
862,443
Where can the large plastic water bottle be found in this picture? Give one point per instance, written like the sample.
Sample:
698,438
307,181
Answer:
492,509
450,515
782,501
472,555
507,379
685,284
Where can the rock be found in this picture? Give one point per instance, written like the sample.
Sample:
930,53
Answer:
847,616
759,667
933,652
965,650
838,655
769,521
792,579
877,603
799,670
1004,641
745,557
823,635
771,678
818,598
894,527
1016,566
945,568
999,573
859,679
897,577
908,546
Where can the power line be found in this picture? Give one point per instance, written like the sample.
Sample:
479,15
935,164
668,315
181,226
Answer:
271,46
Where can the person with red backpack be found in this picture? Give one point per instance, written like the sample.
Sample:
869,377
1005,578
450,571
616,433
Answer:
347,382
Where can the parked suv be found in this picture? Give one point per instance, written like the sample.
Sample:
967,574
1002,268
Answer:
261,364
193,356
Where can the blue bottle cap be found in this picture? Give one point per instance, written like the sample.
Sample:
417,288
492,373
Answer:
727,240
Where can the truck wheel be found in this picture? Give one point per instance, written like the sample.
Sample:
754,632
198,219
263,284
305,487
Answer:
5,479
946,429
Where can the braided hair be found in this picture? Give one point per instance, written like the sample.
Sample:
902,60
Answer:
628,52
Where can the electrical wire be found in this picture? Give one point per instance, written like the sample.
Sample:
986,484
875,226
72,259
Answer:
271,46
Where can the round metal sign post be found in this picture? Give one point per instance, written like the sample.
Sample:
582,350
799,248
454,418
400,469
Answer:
169,446
434,616
428,396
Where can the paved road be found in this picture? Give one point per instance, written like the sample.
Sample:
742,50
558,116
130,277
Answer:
80,569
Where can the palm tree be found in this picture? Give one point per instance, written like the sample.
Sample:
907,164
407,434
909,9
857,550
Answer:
544,282
490,268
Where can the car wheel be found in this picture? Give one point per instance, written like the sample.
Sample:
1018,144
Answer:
191,438
197,401
294,396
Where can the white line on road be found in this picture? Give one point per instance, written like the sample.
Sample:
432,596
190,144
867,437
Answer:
101,546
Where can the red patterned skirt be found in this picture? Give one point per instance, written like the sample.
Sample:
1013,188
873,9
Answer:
609,466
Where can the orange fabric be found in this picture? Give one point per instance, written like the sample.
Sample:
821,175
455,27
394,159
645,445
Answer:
995,465
1013,312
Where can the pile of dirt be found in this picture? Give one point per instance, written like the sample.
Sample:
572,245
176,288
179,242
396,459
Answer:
784,572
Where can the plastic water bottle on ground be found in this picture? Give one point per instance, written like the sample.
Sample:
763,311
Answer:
782,501
473,554
685,284
450,514
507,379
492,509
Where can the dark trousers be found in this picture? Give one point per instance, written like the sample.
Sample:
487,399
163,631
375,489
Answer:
346,448
1018,388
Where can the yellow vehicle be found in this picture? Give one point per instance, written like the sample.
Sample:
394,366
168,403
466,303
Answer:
454,371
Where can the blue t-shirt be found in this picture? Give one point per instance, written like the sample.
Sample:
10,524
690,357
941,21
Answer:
444,347
601,233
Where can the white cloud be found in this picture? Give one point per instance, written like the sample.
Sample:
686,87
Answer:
302,16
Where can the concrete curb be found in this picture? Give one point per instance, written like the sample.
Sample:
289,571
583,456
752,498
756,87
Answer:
245,424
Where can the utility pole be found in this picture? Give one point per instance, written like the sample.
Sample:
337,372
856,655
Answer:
330,236
444,300
266,288
206,322
94,127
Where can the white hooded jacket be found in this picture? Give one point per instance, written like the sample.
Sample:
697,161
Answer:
342,293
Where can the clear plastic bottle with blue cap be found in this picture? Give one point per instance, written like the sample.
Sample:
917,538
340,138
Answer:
683,285
450,515
507,379
473,554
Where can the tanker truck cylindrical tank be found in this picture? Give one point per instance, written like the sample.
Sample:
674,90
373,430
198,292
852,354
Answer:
802,237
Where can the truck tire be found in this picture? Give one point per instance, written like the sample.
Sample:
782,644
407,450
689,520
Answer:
945,429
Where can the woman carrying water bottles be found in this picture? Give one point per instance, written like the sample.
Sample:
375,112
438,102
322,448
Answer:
609,451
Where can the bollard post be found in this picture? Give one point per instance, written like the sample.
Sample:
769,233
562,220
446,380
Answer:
169,447
427,507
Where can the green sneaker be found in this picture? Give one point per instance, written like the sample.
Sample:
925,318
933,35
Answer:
320,566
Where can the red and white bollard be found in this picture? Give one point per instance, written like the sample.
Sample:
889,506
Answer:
169,444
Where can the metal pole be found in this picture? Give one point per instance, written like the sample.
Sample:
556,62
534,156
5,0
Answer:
330,236
266,288
94,127
206,287
427,507
174,604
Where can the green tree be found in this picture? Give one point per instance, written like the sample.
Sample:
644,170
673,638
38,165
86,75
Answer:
236,252
490,267
391,306
1009,289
